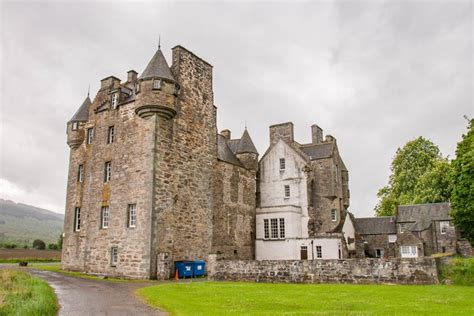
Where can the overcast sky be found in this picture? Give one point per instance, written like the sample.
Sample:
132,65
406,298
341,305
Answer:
374,75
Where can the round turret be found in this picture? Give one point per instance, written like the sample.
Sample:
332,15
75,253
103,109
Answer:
157,90
75,126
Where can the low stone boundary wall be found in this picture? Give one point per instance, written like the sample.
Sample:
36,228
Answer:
358,271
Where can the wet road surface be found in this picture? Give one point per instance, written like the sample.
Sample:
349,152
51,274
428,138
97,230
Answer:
79,296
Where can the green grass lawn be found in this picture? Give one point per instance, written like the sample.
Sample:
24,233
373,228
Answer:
22,294
239,298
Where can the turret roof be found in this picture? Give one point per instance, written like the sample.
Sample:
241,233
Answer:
246,145
82,114
157,68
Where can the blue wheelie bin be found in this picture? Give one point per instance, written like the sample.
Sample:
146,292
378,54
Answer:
185,269
199,268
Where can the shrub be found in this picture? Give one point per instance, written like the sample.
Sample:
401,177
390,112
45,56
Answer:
459,270
53,246
10,246
39,244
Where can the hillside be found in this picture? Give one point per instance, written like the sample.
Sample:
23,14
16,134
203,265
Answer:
21,223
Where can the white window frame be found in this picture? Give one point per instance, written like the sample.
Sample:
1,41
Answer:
266,229
443,227
379,253
80,173
333,215
282,164
75,126
114,100
392,238
287,191
107,171
90,135
110,134
281,228
137,87
273,228
113,256
77,219
132,215
157,84
104,217
402,228
408,251
319,252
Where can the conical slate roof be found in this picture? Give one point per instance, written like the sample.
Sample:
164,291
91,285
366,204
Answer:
246,145
157,68
82,114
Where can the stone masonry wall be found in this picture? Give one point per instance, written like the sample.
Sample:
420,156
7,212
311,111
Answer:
358,271
234,212
185,156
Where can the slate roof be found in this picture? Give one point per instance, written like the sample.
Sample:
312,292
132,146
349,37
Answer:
224,152
318,151
246,145
420,212
375,225
157,68
82,114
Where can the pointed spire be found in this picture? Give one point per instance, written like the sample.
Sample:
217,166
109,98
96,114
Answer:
88,90
82,114
159,41
157,67
246,144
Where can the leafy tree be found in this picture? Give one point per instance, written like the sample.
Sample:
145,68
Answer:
53,247
413,167
39,244
60,241
462,197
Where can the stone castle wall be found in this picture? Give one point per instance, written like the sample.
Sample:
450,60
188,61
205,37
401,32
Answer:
357,271
234,212
89,249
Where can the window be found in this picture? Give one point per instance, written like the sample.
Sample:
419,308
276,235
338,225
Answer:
282,164
104,216
319,251
75,125
107,171
443,226
274,228
77,219
110,135
80,173
334,215
287,191
282,228
114,100
266,229
408,251
157,84
113,256
392,238
137,87
90,135
378,253
132,215
304,252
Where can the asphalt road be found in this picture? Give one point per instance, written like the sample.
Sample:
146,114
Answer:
79,296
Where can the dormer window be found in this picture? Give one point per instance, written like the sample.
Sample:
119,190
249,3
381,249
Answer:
157,84
114,100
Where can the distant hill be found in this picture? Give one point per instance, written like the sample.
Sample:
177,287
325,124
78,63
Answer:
21,223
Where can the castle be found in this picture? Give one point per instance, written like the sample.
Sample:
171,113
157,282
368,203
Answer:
152,182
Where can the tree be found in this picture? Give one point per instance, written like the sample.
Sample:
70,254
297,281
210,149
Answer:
53,247
462,197
60,241
39,244
415,168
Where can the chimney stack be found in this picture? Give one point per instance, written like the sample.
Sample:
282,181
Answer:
281,131
226,134
329,138
132,75
316,134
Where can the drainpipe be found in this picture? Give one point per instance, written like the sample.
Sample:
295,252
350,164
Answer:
312,250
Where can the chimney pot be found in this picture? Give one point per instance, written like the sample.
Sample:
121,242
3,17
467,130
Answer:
226,133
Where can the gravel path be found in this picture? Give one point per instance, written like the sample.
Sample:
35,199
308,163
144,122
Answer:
79,296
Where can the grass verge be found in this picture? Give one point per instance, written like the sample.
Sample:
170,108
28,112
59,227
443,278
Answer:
57,268
23,294
29,260
240,298
459,270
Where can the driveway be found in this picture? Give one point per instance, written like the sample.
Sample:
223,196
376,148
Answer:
79,296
